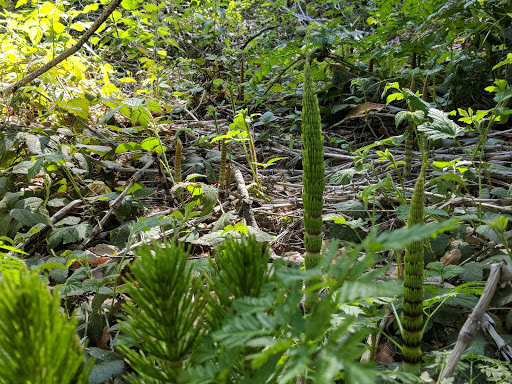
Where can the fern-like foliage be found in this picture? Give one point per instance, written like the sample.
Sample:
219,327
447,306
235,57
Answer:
313,178
267,338
165,316
38,343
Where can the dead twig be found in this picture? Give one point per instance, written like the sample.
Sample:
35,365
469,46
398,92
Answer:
115,204
474,320
246,200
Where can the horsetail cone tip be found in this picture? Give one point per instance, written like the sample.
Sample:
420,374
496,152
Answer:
313,178
412,317
177,162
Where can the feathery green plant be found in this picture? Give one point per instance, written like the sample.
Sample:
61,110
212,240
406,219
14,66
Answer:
38,344
412,317
313,178
165,318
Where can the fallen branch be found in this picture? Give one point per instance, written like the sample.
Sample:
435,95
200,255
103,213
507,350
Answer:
474,320
246,200
64,55
116,203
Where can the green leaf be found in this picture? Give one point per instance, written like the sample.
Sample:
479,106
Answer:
128,147
472,272
130,5
142,116
208,198
9,140
441,127
104,371
402,237
69,234
39,144
30,211
503,95
99,149
78,107
152,144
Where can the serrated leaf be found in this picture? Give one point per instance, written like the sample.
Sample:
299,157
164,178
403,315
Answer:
343,176
35,168
39,144
104,371
142,116
441,127
9,140
503,95
30,211
472,272
68,234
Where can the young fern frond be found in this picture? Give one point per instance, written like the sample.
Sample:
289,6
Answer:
313,178
412,317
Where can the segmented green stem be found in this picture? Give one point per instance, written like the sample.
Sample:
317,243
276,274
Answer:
408,150
412,317
313,178
177,162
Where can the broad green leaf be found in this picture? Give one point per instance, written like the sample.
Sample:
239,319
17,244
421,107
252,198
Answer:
130,5
40,144
68,234
78,107
128,147
503,95
30,211
472,272
208,198
441,127
9,140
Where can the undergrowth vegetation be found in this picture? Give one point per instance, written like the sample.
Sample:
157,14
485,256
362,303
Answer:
255,192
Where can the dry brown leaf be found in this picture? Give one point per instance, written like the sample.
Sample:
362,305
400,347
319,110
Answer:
385,353
364,108
104,341
451,257
104,249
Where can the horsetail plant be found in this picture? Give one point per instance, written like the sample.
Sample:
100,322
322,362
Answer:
177,161
313,179
222,168
412,316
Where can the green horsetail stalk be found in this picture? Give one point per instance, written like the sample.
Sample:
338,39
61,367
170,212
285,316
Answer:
222,169
313,178
177,162
412,317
